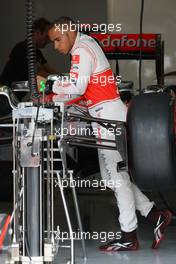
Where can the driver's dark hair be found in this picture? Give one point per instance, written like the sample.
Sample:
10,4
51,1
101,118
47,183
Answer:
40,24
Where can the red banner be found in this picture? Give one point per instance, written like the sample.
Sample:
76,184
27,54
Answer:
126,42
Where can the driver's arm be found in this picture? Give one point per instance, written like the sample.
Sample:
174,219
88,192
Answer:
80,72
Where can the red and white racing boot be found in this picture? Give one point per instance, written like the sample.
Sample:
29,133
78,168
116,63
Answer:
127,242
162,219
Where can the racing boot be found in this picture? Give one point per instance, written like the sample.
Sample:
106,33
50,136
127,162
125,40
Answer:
161,219
127,242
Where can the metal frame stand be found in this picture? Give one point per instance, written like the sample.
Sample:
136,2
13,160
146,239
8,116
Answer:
34,238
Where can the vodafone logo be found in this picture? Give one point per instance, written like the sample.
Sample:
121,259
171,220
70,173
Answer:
126,42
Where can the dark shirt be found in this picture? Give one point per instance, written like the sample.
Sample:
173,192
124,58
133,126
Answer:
16,68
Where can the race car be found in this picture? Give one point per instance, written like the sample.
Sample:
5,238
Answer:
150,138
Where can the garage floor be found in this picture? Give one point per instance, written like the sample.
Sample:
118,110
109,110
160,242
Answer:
102,216
166,254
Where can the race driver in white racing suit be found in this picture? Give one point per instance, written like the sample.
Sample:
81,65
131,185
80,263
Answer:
89,70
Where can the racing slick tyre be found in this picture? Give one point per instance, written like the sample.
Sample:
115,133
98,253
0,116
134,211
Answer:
151,141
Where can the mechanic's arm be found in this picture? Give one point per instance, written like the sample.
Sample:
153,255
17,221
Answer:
80,72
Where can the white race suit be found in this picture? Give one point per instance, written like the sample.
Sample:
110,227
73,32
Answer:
91,76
